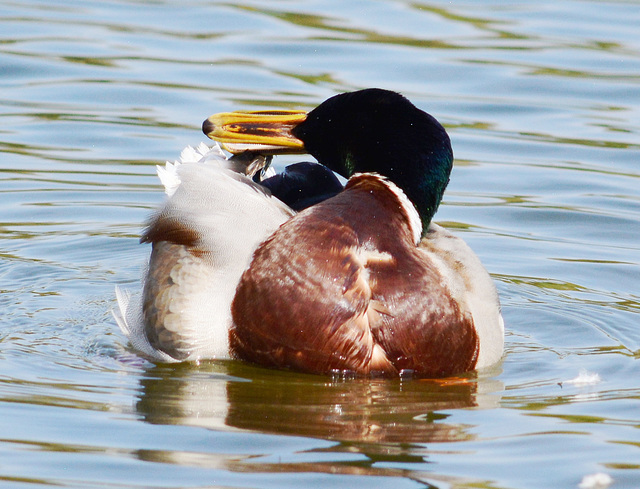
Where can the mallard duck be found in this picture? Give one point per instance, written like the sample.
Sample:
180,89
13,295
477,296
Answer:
364,281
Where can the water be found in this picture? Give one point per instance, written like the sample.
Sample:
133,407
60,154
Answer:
541,101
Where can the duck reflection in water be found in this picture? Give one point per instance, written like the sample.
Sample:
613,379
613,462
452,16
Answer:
230,395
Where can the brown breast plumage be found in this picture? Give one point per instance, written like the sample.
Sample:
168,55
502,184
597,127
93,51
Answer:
342,286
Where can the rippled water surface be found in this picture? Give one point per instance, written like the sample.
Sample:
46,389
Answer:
542,103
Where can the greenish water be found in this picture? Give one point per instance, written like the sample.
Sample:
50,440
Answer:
541,100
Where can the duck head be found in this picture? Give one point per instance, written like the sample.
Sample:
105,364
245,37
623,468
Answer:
370,130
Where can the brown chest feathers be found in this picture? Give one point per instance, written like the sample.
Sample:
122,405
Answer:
342,286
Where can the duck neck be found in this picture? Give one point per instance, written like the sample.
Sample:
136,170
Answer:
422,176
425,188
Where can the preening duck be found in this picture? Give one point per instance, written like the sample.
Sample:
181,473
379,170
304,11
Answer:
359,281
364,281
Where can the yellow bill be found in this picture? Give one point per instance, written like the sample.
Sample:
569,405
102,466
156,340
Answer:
266,132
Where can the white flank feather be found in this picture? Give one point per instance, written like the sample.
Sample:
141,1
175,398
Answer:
231,215
471,287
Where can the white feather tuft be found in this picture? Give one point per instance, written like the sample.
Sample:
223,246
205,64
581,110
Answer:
596,481
168,175
585,378
202,154
124,298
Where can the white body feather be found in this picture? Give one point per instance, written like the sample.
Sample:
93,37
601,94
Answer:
231,215
472,288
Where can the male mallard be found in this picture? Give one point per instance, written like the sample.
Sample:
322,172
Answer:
364,281
360,282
